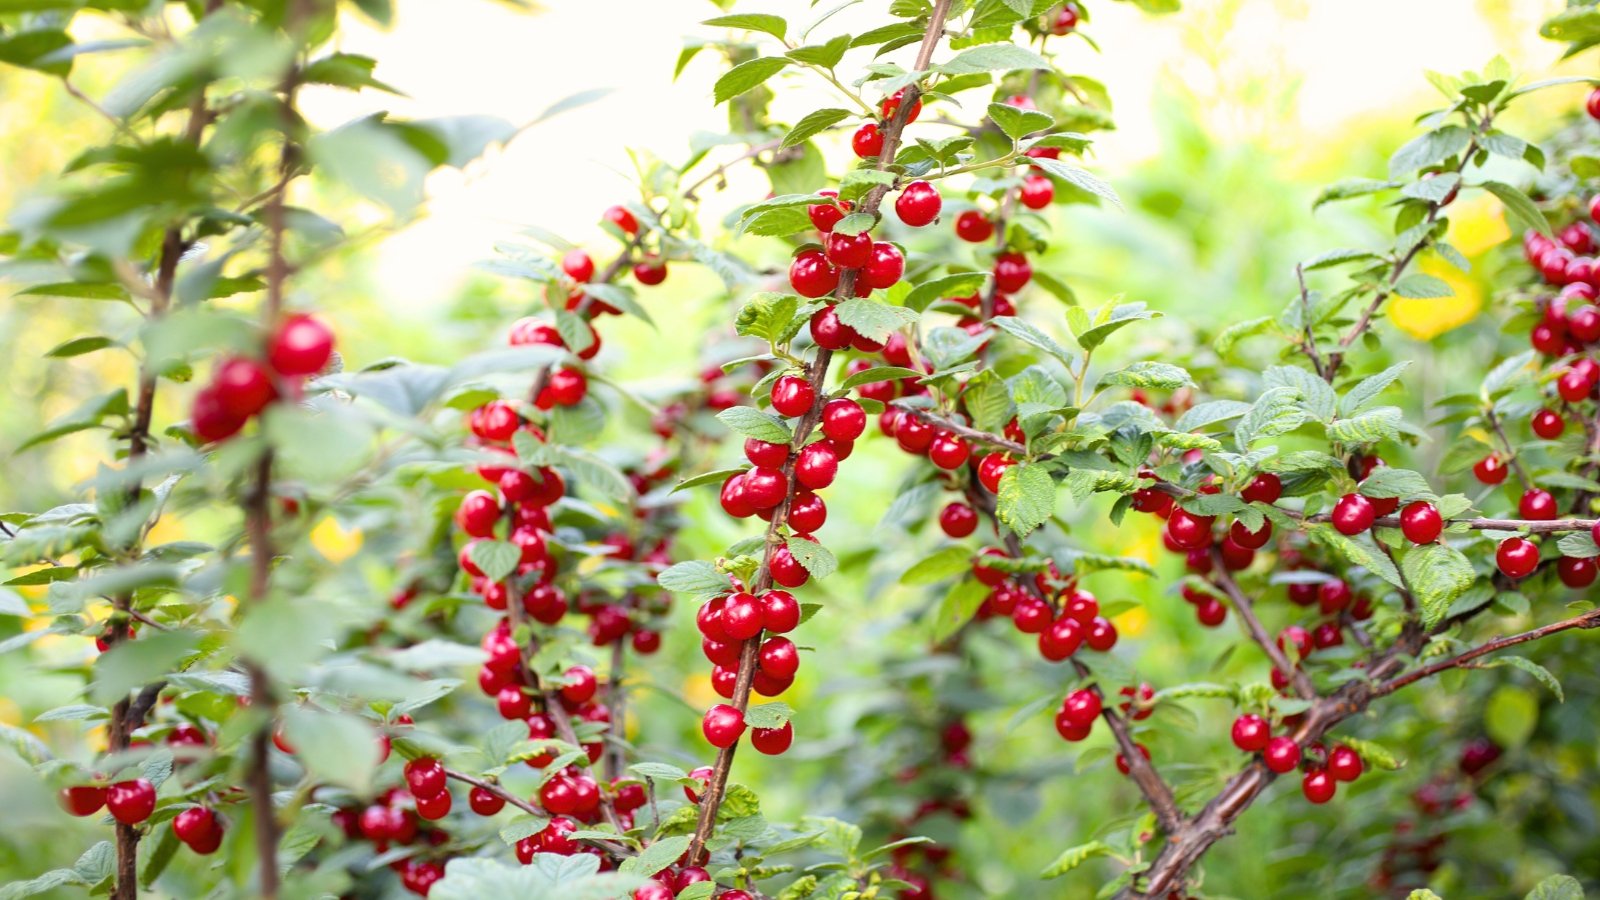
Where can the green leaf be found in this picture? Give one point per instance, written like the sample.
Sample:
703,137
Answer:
817,560
935,567
496,559
768,715
877,374
752,422
1370,427
1074,857
1146,374
1357,553
1429,149
1027,497
1579,544
994,58
853,224
1510,715
873,320
1557,887
662,852
1336,258
1518,207
1094,332
1375,755
1017,122
78,290
1540,673
1369,388
747,75
924,295
693,576
1403,484
131,665
1418,286
1276,411
767,24
80,346
814,124
825,55
1078,178
38,48
1210,413
1237,332
1438,574
335,747
704,478
1024,331
957,607
1354,187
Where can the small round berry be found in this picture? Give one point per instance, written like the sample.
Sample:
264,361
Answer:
243,386
1548,424
722,726
1037,192
1281,754
1353,514
891,105
885,267
792,395
131,802
302,345
1251,733
485,802
772,742
843,420
867,141
958,520
780,613
826,215
1537,504
1264,488
811,275
849,251
82,799
578,266
1420,522
972,226
622,218
1490,470
918,204
425,777
1318,786
1576,572
1344,764
1517,557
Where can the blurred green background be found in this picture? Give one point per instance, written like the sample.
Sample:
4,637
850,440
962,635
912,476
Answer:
1231,116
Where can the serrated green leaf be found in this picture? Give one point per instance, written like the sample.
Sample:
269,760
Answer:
814,124
1024,331
1360,554
752,422
747,75
1368,389
1540,673
1017,122
496,559
1418,286
1078,178
1074,857
768,715
1518,207
1147,374
693,576
939,565
873,320
1369,427
768,24
816,559
1027,497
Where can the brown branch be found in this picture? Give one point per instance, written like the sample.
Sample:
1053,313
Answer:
1258,633
1511,453
616,702
816,373
1590,619
1309,345
617,850
691,193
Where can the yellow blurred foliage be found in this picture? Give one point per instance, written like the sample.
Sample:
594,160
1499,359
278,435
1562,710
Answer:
1476,226
698,691
1133,622
335,542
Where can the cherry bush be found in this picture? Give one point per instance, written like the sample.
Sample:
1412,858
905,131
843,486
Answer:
286,716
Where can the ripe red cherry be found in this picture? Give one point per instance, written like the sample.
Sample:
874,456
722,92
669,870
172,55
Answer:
1187,530
1517,557
913,434
1012,272
578,266
1584,324
741,616
478,513
1037,192
786,570
972,226
918,204
243,387
425,777
891,105
1210,612
826,215
1251,733
302,345
210,419
849,251
807,512
652,271
816,466
780,613
867,141
958,520
772,742
1420,522
722,726
1547,423
949,451
1281,754
1062,639
131,802
793,396
1122,761
567,387
885,267
1065,21
1264,488
435,807
761,453
735,501
1537,504
622,218
579,687
1102,634
1252,540
1575,572
1344,764
843,419
1592,105
485,802
1353,514
811,275
1318,786
1546,339
991,467
1490,470
82,799
779,658
1081,707
828,331
198,827
1333,596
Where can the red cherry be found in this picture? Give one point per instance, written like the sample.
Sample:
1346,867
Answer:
1344,764
1420,522
1102,634
1062,639
722,726
1537,504
991,467
843,420
131,802
1592,105
622,218
811,275
849,251
1012,272
741,616
198,827
816,466
765,488
478,513
807,512
1318,786
972,226
578,266
650,272
867,141
949,451
891,105
1210,612
1081,707
485,802
82,799
1122,761
793,396
302,345
958,520
1517,557
772,742
1037,192
1584,324
1187,530
1253,540
1251,733
1353,514
885,267
1575,572
826,215
243,386
780,613
918,204
425,777
579,685
1333,596
786,570
1548,424
1065,21
435,807
1490,470
1281,754
210,419
1264,488
826,329
761,453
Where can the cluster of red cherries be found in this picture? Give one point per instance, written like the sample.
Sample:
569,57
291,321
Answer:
132,801
243,386
918,864
1324,769
1411,858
